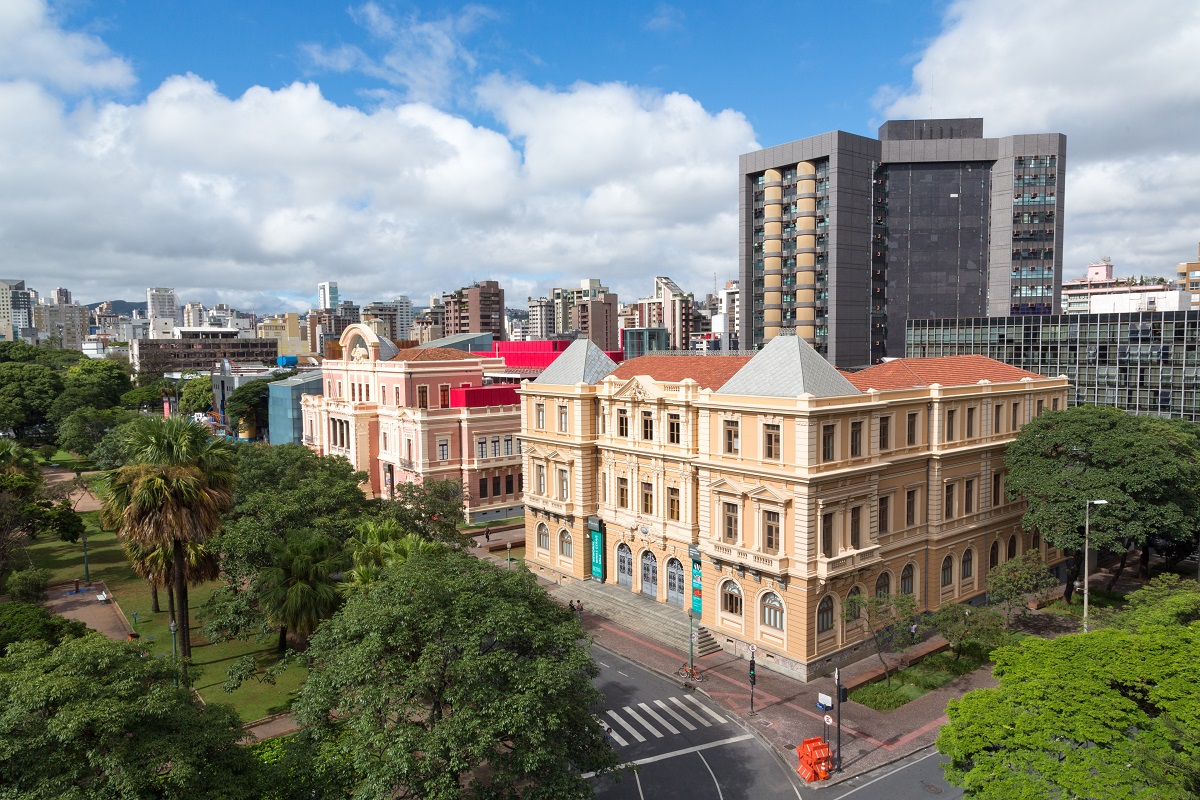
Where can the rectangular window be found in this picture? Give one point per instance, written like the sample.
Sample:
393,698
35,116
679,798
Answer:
481,448
422,396
827,535
950,413
997,487
885,514
996,415
1040,403
1054,404
397,395
885,433
730,516
508,484
949,501
910,507
674,429
623,492
1016,416
562,419
443,449
912,429
647,426
521,483
969,497
827,437
564,488
856,439
771,531
540,424
622,423
603,488
541,479
483,487
444,395
495,486
508,446
772,442
647,498
673,502
970,422
495,446
856,528
732,440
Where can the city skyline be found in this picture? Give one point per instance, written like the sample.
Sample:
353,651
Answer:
401,150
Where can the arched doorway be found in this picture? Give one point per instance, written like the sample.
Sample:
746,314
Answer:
649,574
624,566
675,584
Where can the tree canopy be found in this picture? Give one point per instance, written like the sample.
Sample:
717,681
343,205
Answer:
94,719
90,383
887,619
197,396
26,622
455,679
26,393
82,430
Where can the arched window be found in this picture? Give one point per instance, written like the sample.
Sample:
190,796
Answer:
994,556
825,615
854,602
883,586
1012,547
968,565
1035,541
772,611
543,536
564,544
906,580
731,598
948,571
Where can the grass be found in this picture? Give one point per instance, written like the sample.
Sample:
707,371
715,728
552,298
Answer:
1097,598
67,461
931,672
478,526
253,700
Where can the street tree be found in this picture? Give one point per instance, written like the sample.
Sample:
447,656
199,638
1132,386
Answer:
1147,468
456,679
94,718
1084,715
178,482
961,624
298,591
887,619
1010,585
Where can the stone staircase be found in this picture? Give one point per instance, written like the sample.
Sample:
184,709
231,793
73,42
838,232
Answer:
661,622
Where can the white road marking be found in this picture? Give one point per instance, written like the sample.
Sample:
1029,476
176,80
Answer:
694,715
601,663
621,673
627,726
707,710
889,774
638,780
683,752
678,718
661,721
643,723
720,794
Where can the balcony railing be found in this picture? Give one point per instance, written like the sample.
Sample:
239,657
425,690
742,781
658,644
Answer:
774,563
831,567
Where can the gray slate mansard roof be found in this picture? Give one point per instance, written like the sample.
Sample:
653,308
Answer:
788,366
582,362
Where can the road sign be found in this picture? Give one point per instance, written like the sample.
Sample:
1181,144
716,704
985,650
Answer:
828,720
695,637
753,648
825,700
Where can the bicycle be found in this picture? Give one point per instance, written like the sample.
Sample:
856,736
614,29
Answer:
689,673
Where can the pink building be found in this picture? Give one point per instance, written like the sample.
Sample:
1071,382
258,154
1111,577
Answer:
418,414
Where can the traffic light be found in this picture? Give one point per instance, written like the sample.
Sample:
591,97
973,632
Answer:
752,679
843,694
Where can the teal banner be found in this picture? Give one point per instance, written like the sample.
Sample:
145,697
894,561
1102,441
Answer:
596,529
697,589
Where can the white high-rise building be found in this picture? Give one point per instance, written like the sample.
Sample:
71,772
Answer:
404,317
327,295
194,315
162,309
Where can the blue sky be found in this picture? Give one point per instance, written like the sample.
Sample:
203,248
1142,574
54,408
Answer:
242,152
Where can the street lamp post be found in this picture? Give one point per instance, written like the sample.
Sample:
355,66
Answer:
691,643
1087,526
87,575
174,651
508,554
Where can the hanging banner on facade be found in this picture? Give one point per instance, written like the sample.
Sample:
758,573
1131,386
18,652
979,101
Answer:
596,528
697,588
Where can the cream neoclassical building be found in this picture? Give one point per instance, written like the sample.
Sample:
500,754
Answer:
764,491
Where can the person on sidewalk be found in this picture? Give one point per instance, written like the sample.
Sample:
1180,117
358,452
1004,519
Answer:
487,534
579,609
572,607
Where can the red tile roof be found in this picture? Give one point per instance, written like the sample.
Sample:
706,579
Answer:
905,373
711,372
433,354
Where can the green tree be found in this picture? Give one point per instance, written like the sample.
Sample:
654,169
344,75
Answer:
456,679
81,431
298,591
26,394
110,451
173,492
1009,585
1083,715
18,460
961,624
145,397
28,585
197,396
247,405
1148,469
1166,600
90,383
887,619
432,510
26,622
93,718
380,543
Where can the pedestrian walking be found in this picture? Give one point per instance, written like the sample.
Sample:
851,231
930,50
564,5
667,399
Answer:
572,606
487,534
579,609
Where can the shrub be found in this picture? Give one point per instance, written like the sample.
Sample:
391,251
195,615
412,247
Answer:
879,697
20,622
28,585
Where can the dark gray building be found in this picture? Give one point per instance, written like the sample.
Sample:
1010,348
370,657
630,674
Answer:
1144,362
843,238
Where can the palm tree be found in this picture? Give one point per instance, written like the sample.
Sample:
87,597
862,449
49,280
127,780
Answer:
378,544
156,565
171,492
299,590
18,460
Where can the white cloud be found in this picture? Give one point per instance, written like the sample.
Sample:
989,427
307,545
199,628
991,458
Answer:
33,47
252,200
666,18
1119,79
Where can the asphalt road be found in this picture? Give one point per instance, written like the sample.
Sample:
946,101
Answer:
683,745
917,777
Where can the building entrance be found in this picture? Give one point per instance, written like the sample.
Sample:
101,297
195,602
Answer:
624,566
675,585
649,574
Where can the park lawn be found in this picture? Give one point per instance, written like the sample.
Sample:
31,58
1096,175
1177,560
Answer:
932,672
65,460
253,700
1098,598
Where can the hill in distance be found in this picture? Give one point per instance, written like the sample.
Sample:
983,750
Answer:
123,307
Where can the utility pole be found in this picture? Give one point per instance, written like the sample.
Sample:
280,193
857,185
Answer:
841,695
753,680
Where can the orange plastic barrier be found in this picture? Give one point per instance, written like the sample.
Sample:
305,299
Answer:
816,761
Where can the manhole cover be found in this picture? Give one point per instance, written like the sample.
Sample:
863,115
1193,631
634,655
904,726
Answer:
932,788
765,723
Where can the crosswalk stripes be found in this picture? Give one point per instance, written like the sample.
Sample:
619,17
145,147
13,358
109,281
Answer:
655,718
